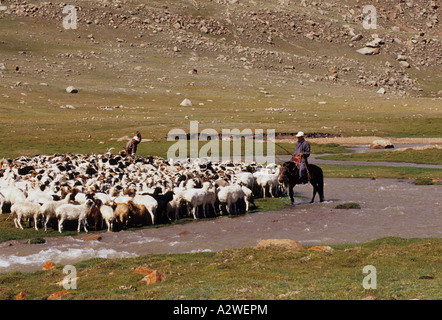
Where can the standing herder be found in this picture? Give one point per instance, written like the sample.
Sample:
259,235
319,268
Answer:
132,144
302,152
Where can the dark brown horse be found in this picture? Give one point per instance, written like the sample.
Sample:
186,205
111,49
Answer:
289,176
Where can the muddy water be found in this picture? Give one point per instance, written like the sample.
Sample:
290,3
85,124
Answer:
390,207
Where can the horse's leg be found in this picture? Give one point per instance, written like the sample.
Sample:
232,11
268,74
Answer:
291,194
314,193
321,191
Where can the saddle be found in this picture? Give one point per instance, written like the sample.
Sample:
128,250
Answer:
297,161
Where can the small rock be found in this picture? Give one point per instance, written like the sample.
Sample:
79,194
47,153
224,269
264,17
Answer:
370,298
154,276
71,89
20,296
357,37
375,43
381,144
381,91
284,243
404,64
57,295
48,265
143,270
321,248
368,51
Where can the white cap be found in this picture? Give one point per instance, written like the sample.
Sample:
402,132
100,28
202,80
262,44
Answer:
300,134
136,138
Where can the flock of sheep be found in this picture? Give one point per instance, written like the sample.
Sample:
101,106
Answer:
114,191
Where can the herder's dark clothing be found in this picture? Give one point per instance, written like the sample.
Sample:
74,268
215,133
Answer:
131,147
304,147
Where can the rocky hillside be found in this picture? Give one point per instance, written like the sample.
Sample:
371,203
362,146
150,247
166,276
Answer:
313,40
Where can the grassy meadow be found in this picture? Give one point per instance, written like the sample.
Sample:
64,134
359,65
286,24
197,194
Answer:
427,156
406,269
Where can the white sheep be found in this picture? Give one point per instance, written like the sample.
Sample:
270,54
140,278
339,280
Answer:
211,198
245,179
175,204
105,199
24,209
229,196
73,212
38,196
13,194
270,181
48,210
197,197
248,195
108,215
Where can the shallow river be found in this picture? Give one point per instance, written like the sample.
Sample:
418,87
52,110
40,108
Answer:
389,207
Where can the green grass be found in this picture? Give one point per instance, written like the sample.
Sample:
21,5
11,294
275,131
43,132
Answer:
348,205
423,182
406,269
378,172
427,156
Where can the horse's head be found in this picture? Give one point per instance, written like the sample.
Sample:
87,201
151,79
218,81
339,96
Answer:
287,171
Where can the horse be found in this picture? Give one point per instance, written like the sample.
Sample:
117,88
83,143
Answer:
289,175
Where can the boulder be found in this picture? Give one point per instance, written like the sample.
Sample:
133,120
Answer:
186,103
71,89
282,243
368,51
375,43
381,144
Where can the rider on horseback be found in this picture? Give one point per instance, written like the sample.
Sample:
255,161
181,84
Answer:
302,152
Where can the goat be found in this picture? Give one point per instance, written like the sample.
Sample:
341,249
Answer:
197,197
25,209
122,214
107,213
94,217
229,196
73,212
48,209
148,202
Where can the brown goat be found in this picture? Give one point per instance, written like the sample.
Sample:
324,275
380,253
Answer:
139,214
130,214
94,217
122,214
